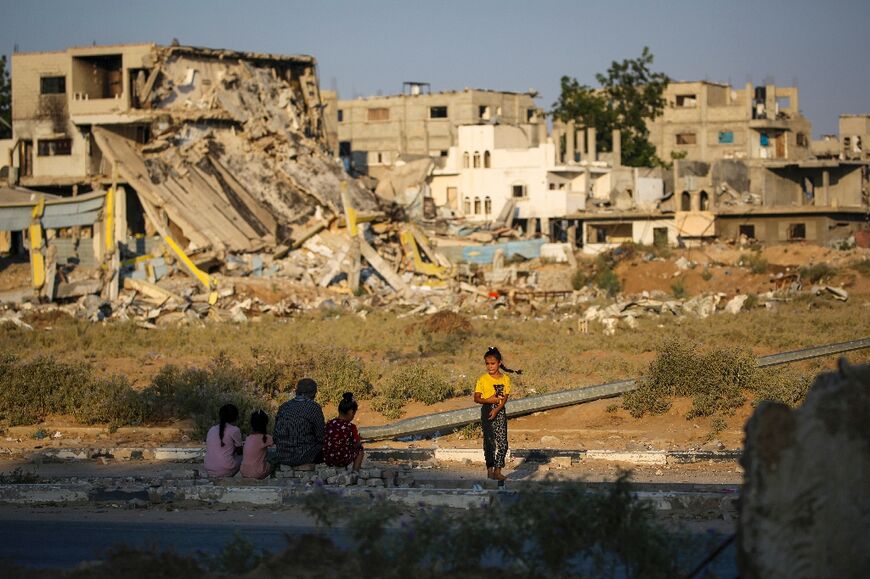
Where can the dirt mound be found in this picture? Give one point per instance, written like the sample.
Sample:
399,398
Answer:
447,323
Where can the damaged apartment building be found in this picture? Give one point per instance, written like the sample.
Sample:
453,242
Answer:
744,166
216,150
374,132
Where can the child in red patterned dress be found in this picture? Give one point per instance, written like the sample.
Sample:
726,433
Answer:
341,442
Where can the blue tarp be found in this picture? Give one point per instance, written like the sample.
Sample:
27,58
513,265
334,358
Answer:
483,254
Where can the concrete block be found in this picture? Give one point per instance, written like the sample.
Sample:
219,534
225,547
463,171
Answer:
179,454
633,457
252,495
24,494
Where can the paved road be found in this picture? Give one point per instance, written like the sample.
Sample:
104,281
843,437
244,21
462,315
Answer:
50,537
66,537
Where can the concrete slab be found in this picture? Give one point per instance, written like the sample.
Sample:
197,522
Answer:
652,457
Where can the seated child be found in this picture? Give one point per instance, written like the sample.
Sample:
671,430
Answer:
254,462
341,441
223,444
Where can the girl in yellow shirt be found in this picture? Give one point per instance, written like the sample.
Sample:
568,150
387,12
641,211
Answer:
492,392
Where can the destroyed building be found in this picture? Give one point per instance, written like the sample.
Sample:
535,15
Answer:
707,121
219,151
375,131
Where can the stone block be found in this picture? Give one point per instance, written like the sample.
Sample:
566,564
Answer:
375,482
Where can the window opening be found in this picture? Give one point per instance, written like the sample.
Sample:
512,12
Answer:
438,112
685,201
52,85
54,148
686,139
379,114
797,231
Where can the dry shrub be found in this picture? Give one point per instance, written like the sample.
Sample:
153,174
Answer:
426,383
714,380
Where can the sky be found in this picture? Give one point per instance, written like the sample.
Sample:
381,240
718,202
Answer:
370,47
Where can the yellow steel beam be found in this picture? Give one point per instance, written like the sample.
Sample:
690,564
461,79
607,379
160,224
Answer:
37,259
412,251
206,280
109,221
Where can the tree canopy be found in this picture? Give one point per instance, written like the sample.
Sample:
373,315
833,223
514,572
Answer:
5,100
630,93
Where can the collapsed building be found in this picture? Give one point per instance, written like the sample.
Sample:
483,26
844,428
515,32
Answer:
212,152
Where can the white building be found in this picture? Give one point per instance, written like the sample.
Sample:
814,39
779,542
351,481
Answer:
493,164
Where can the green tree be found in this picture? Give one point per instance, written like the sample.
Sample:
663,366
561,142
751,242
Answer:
5,100
630,94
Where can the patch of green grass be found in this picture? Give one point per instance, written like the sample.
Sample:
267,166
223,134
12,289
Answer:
579,279
706,274
678,289
818,272
862,266
754,262
607,280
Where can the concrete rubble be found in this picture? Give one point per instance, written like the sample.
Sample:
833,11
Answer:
806,496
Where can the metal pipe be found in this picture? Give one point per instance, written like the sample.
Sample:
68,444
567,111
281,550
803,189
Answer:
450,420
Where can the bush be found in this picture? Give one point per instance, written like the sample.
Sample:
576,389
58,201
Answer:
753,262
607,280
538,535
110,400
424,383
678,289
198,394
862,266
706,275
337,372
579,279
31,390
780,385
818,272
714,380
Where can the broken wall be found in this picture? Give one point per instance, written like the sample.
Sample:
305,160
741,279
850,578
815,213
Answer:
805,504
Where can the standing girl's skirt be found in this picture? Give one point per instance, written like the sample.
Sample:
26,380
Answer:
495,440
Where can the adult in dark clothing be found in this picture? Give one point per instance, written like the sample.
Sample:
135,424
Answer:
299,427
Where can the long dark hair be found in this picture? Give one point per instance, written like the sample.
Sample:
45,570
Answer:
259,423
347,403
493,351
228,413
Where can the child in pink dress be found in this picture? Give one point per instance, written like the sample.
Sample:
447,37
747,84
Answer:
254,462
223,444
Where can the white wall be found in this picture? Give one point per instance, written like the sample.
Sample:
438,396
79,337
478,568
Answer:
512,163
